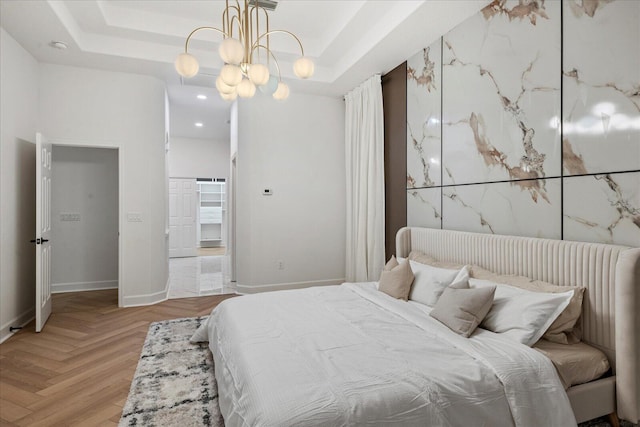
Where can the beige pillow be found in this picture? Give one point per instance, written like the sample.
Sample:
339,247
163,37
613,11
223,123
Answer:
423,258
462,310
397,281
393,262
564,330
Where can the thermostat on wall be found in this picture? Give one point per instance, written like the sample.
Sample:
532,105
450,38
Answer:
267,192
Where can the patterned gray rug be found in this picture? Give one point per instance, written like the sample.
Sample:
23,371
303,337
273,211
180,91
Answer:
174,384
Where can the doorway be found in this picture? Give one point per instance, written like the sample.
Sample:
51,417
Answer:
197,223
85,218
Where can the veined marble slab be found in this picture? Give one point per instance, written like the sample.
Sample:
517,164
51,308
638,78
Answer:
601,123
423,117
504,208
423,207
501,95
603,208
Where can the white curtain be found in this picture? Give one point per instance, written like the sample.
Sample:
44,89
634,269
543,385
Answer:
364,138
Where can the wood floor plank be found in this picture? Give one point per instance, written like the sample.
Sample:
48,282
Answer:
36,359
12,412
78,370
86,377
17,395
100,417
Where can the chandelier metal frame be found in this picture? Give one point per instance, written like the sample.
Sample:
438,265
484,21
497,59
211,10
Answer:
241,49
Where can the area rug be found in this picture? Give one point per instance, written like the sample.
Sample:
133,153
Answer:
174,383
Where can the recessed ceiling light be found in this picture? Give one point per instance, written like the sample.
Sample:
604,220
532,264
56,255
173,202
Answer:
201,96
199,125
58,44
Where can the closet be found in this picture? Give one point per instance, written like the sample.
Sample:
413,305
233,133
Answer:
212,212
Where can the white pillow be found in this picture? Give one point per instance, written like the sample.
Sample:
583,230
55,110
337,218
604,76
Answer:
522,315
430,282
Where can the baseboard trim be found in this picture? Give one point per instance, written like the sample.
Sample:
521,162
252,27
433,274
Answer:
20,321
147,299
58,288
246,289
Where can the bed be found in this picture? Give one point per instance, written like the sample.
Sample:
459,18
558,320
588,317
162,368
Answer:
349,354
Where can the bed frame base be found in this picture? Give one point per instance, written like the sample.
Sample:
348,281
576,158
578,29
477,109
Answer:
593,399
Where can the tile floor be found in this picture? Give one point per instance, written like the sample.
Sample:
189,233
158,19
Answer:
197,276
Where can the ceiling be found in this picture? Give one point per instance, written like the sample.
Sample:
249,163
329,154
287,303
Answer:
349,40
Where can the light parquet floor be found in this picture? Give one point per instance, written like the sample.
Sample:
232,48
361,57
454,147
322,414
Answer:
78,370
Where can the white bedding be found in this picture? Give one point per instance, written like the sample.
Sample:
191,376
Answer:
350,355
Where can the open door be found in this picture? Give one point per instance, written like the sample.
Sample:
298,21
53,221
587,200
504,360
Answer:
43,231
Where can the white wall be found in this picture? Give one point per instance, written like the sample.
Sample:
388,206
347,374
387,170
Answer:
198,158
295,148
103,108
18,123
233,127
85,182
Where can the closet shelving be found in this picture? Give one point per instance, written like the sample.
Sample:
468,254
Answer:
212,210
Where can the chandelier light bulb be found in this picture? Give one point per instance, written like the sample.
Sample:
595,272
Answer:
231,75
229,96
231,51
224,88
246,88
282,92
303,67
187,65
259,74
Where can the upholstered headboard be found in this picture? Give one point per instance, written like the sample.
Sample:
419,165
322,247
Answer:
611,311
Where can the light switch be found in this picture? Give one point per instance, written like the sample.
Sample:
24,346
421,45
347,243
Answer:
69,216
134,217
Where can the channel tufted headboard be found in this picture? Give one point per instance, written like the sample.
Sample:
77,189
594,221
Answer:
611,309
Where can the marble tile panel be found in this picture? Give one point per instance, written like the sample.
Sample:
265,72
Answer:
504,208
423,117
603,208
601,99
501,95
423,207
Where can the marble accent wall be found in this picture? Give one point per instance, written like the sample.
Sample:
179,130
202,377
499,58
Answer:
525,120
424,207
493,86
424,114
601,121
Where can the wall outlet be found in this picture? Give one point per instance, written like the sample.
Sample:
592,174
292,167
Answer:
134,217
280,264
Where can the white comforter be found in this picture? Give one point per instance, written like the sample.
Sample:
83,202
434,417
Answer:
351,355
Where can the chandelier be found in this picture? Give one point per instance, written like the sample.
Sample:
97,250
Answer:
246,54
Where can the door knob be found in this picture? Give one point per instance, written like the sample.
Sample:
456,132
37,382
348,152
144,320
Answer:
39,241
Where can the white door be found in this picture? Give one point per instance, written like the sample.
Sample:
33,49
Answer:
182,217
43,231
